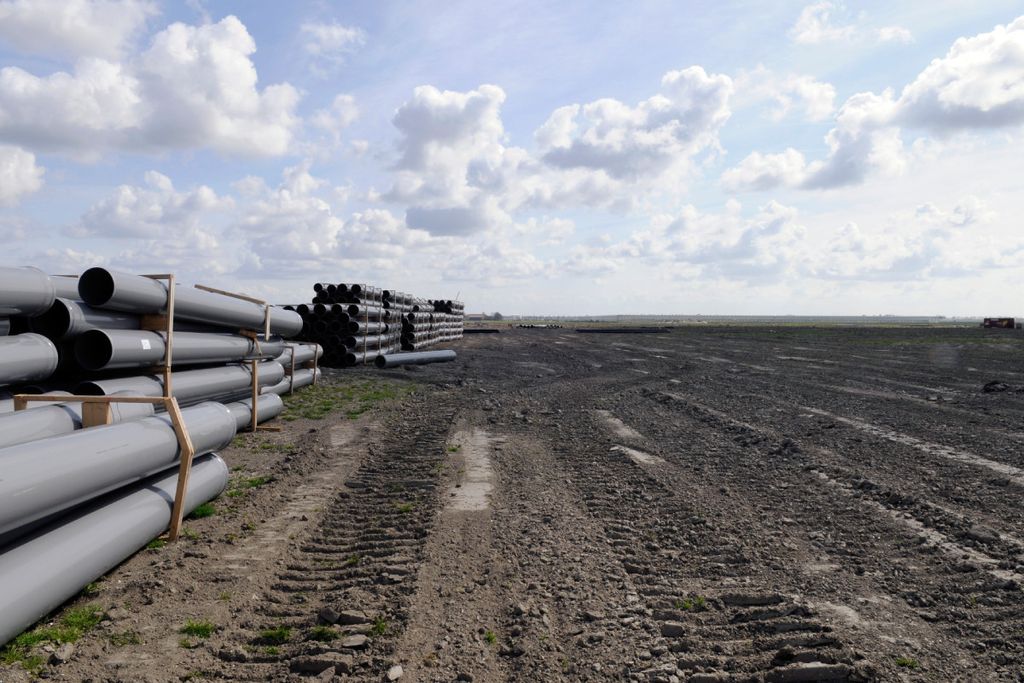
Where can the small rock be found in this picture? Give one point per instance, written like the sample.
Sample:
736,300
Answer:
519,610
317,664
356,642
327,616
62,654
982,534
673,629
395,672
593,615
464,676
349,617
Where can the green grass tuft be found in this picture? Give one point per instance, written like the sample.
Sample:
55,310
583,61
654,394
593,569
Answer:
204,510
276,636
71,626
908,662
198,629
323,634
491,637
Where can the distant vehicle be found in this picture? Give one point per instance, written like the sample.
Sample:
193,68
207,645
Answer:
999,323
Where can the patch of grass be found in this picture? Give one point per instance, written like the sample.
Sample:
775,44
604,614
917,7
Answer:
490,636
276,636
224,597
190,534
380,627
241,487
71,626
123,638
188,644
323,634
352,397
352,560
156,544
405,508
91,588
272,650
908,662
697,604
204,510
455,448
198,629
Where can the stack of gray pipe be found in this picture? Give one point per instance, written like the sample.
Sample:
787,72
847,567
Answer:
357,323
76,502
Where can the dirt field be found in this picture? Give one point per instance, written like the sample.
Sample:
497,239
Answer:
713,504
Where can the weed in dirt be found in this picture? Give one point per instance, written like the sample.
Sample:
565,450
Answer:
490,636
380,627
91,589
240,488
198,629
74,623
323,634
272,650
123,638
455,448
156,544
204,510
908,662
225,596
352,560
276,636
697,604
188,644
190,534
248,526
405,508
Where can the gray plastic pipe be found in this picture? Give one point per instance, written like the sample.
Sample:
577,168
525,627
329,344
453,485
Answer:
303,354
358,327
25,291
269,407
113,349
44,477
422,358
136,294
229,382
42,571
54,420
66,319
65,286
5,327
303,378
26,358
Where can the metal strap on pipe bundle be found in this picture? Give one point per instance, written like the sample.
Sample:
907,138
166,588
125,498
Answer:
52,564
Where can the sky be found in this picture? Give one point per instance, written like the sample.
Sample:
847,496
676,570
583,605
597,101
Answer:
527,157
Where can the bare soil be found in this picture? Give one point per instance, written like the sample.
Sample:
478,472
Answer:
713,504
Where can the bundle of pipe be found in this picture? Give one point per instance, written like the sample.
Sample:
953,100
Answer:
358,323
53,562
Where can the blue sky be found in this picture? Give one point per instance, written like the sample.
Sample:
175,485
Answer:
669,157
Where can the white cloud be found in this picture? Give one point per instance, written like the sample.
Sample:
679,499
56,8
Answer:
790,92
152,211
19,174
817,24
340,115
330,43
975,86
73,28
631,143
759,172
193,87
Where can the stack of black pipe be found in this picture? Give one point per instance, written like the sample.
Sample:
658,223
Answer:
356,323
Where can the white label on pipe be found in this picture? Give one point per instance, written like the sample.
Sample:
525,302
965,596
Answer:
145,344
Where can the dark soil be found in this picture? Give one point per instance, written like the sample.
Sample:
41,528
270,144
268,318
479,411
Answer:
712,504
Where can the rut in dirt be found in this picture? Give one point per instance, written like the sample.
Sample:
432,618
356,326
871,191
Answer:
343,596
